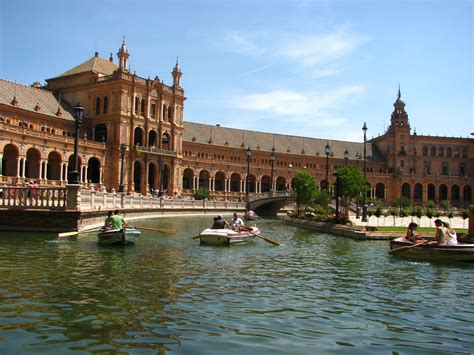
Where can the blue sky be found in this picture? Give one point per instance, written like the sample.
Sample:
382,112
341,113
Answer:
307,68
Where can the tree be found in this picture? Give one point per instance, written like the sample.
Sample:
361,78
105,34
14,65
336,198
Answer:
304,190
378,213
393,212
464,215
351,185
429,213
403,214
445,204
202,193
322,198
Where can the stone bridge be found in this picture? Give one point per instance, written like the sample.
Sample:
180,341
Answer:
269,203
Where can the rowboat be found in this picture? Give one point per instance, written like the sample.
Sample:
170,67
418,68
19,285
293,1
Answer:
118,236
433,252
227,236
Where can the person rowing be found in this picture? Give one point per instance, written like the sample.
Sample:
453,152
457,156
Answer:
220,223
237,224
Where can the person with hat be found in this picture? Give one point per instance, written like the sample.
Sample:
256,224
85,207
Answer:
220,223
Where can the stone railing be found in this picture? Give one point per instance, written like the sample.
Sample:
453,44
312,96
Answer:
37,197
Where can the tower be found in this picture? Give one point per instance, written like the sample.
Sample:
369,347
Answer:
176,75
122,56
399,116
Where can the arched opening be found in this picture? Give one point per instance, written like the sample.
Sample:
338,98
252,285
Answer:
137,176
9,160
33,158
165,178
280,183
251,183
406,190
100,133
204,179
467,194
219,181
443,192
455,194
235,182
266,183
138,136
431,192
380,191
418,192
152,138
54,166
152,178
188,176
166,141
93,170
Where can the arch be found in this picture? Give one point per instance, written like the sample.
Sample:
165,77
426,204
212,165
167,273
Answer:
467,194
152,177
137,176
406,190
418,192
100,133
266,183
10,159
235,182
280,184
165,178
166,141
33,157
93,170
431,192
455,194
152,138
54,166
443,192
219,181
188,175
380,190
138,136
204,179
251,183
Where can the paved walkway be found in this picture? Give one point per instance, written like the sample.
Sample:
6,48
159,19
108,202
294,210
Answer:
456,222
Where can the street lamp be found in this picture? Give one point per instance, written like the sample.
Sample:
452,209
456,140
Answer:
247,180
364,211
78,117
327,151
123,149
346,156
161,166
272,160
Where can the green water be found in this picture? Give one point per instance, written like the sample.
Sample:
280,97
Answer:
314,294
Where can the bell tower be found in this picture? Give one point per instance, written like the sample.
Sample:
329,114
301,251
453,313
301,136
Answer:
399,116
122,56
176,75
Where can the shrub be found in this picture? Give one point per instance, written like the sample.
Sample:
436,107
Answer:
202,193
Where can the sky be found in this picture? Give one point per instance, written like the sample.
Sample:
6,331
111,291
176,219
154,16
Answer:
306,68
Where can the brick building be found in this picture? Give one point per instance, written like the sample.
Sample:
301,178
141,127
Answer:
164,152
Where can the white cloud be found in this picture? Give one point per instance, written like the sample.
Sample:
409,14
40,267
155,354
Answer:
238,42
311,50
322,72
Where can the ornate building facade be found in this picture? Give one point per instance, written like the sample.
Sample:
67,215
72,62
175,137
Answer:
162,152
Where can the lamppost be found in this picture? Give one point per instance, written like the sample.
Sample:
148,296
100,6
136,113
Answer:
327,151
123,149
272,160
161,166
337,197
247,180
78,116
346,156
364,211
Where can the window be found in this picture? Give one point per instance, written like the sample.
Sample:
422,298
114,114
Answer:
153,110
106,104
425,150
457,153
402,163
449,152
462,170
137,102
441,151
427,167
97,106
142,108
433,151
445,169
464,152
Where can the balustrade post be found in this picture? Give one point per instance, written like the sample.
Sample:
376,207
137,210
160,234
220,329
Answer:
93,194
73,199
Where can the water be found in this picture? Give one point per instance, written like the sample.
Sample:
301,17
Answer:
316,293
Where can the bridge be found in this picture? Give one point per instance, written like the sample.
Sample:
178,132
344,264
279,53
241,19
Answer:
269,203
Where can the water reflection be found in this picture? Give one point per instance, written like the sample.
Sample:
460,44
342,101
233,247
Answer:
168,293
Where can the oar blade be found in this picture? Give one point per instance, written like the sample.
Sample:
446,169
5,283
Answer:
270,241
67,234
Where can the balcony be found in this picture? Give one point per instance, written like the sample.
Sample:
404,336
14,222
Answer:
155,151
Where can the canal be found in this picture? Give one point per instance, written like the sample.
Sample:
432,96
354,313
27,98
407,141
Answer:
316,293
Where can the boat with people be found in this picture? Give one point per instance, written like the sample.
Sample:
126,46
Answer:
125,236
228,236
431,251
251,215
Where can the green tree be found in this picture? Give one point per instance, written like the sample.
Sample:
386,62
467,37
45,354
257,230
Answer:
429,213
450,215
202,193
322,198
378,213
394,213
417,212
351,185
445,204
464,215
430,204
304,190
403,213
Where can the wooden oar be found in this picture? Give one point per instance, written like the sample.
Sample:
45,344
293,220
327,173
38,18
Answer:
268,240
407,247
67,234
160,230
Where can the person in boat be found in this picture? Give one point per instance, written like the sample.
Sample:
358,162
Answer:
220,223
411,234
108,221
440,232
251,213
451,237
118,221
237,224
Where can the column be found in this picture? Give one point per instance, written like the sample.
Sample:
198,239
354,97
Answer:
23,175
45,170
61,170
1,165
18,162
66,167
